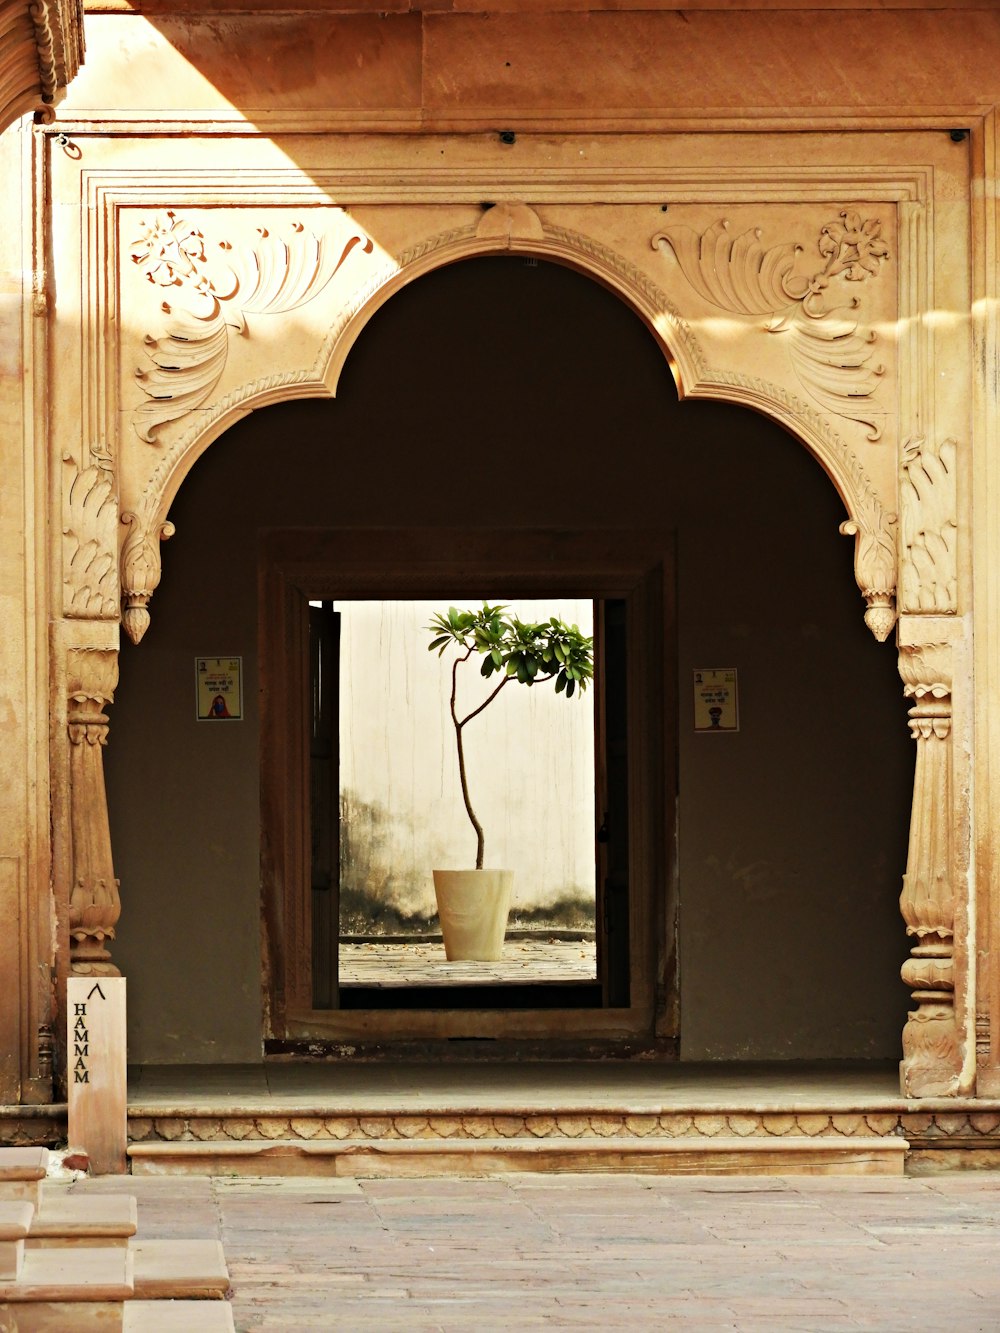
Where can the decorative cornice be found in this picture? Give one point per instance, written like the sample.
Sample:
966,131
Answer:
41,49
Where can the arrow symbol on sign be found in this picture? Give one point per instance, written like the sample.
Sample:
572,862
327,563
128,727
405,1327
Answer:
97,988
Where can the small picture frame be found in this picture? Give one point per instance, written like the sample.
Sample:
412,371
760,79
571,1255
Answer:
716,699
218,689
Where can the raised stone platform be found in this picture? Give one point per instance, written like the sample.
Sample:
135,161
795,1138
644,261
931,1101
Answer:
356,1118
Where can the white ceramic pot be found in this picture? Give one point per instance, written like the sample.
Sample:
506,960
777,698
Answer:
473,907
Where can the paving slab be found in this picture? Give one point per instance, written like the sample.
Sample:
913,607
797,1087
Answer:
582,1252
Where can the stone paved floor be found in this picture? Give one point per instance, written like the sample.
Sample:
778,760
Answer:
417,963
601,1252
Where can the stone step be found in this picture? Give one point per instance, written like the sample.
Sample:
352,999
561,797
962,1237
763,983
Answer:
15,1220
84,1274
787,1155
178,1317
23,1164
67,1317
180,1270
93,1219
21,1171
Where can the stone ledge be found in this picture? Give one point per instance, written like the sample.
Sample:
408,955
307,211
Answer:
23,1164
65,1220
82,1274
180,1269
793,1155
177,1317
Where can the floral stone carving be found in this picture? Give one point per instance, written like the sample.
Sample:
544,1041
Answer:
830,353
929,575
90,541
216,291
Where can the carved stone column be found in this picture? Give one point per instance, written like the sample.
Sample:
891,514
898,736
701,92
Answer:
94,906
932,1043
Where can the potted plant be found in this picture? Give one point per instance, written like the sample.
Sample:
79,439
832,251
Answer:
473,904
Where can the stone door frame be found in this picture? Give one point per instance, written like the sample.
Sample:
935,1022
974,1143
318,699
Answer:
636,567
194,294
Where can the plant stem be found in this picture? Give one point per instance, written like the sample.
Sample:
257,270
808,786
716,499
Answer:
480,838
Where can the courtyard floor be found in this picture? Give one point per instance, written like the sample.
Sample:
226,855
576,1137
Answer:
607,1252
534,961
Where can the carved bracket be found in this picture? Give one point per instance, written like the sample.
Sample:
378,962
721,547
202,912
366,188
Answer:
94,906
140,570
932,1047
874,561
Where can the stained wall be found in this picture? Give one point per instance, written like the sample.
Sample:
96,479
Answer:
536,398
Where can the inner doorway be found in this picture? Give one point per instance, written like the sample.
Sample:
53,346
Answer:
386,798
628,584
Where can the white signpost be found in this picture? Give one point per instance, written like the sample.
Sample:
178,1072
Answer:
96,1070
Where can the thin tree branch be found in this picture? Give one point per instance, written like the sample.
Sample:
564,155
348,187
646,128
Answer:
480,837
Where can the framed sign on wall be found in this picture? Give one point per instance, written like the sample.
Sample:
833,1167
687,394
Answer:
219,689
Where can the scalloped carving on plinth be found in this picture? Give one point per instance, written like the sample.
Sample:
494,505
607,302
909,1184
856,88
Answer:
215,291
830,352
929,516
41,49
140,569
94,905
960,1128
90,539
932,1042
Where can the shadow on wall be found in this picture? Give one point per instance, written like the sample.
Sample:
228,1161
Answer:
377,898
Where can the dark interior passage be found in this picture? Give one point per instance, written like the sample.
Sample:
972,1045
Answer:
527,396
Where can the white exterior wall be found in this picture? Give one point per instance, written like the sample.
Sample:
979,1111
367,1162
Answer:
529,760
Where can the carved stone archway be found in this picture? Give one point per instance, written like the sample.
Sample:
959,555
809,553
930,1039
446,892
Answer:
734,273
218,311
